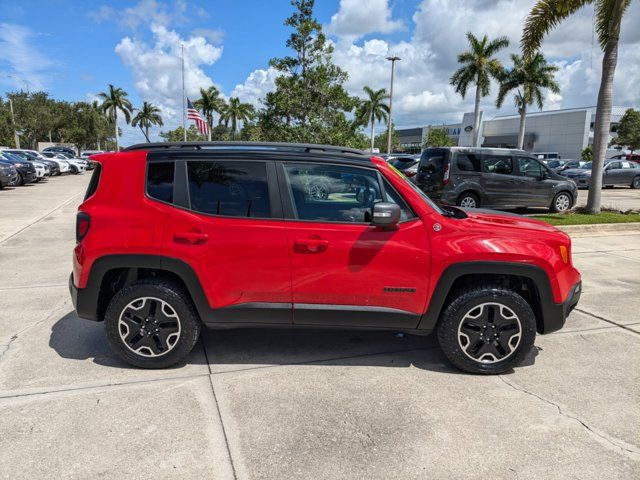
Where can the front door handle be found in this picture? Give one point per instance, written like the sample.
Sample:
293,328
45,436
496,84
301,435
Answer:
313,245
192,238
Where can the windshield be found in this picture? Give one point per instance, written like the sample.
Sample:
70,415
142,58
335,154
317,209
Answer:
402,163
586,166
555,163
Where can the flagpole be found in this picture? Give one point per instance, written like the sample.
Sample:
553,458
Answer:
184,104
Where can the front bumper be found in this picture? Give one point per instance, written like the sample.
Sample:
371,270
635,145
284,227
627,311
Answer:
555,315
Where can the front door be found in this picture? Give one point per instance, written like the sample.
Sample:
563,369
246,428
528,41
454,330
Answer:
533,189
344,271
232,233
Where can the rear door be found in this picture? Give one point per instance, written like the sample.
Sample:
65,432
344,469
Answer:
499,179
344,271
226,222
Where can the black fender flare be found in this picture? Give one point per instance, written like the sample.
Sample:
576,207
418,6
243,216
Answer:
551,313
87,298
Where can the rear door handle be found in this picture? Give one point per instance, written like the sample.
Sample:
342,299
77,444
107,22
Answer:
192,238
313,245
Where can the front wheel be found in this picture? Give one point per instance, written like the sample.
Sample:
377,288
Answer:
635,183
562,202
487,330
152,324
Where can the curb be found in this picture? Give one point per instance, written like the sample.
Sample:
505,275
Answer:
607,228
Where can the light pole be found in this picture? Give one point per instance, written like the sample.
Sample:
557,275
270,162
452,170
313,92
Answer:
393,64
16,137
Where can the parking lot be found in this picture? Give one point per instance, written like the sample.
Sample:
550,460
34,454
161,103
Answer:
306,404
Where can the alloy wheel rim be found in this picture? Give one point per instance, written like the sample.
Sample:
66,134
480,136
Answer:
468,202
489,333
636,182
149,327
562,202
317,192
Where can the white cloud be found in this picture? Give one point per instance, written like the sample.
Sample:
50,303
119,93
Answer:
157,69
28,66
356,18
213,35
256,86
145,12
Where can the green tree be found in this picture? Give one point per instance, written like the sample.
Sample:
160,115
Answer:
628,131
380,142
529,76
146,117
546,15
193,135
112,101
587,154
309,103
478,67
210,102
438,137
234,112
373,109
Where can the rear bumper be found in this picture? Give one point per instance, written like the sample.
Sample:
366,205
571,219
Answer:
555,315
84,304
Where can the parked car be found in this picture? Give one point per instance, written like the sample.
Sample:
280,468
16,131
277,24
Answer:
615,172
405,163
42,171
61,160
61,149
76,165
492,177
8,173
546,155
170,247
33,156
26,170
633,157
565,164
88,153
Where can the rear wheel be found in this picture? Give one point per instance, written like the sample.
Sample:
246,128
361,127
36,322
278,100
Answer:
468,200
562,202
152,324
487,330
635,183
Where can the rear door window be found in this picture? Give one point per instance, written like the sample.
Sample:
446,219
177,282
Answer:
469,162
229,188
498,164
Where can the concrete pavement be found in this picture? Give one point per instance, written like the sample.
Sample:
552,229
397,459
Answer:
305,404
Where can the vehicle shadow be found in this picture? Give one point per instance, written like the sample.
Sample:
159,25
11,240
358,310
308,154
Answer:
243,349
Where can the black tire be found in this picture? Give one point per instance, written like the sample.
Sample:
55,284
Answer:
184,312
468,200
562,202
635,183
454,321
20,181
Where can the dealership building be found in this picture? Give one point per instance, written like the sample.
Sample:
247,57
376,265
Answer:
566,132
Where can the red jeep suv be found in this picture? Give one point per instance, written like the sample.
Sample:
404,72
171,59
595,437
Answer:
171,237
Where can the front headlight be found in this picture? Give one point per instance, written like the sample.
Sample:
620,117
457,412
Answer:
587,173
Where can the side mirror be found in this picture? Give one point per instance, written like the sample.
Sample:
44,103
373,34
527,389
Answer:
386,215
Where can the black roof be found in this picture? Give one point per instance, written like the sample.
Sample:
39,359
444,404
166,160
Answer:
270,146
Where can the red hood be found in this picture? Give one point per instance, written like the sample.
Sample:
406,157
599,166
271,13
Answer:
492,219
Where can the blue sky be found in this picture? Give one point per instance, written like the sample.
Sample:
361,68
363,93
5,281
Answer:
74,49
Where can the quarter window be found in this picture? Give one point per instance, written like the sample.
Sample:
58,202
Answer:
160,181
498,164
229,188
331,193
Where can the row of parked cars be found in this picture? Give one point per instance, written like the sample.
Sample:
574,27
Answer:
506,178
22,166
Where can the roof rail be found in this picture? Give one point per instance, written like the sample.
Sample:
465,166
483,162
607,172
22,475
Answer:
304,147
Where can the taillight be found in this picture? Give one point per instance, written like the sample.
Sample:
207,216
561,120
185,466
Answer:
410,173
83,222
445,179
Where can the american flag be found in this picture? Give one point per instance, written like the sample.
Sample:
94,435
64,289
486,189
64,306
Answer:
193,114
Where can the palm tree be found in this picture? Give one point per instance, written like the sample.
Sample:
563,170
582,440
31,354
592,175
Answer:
529,76
372,110
478,67
546,15
113,101
210,102
236,111
147,116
